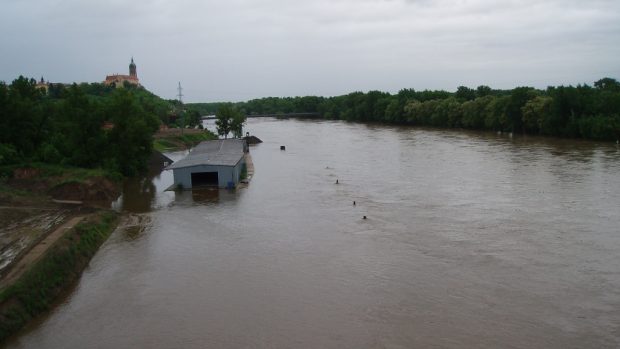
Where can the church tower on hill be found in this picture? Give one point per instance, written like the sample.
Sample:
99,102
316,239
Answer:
119,80
132,69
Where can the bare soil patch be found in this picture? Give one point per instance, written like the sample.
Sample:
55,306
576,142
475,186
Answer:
92,190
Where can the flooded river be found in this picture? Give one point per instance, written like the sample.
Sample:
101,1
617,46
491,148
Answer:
473,240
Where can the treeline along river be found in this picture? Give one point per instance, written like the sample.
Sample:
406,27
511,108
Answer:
578,111
473,240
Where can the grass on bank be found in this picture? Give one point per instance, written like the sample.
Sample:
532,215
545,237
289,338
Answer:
176,141
58,269
36,185
7,191
59,174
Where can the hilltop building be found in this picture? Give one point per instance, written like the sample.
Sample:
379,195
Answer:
119,80
46,85
42,84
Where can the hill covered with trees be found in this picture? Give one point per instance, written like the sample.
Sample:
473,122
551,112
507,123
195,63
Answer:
581,111
86,125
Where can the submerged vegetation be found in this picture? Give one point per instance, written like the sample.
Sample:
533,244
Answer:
35,291
580,111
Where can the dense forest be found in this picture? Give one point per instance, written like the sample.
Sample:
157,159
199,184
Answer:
583,111
86,125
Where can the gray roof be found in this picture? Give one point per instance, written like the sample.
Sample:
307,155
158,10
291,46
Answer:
221,152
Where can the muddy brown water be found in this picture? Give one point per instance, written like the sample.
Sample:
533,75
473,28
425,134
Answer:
473,240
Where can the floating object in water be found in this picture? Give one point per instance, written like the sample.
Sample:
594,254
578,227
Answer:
354,203
282,147
336,181
364,217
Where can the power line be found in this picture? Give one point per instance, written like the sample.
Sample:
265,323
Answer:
180,95
181,111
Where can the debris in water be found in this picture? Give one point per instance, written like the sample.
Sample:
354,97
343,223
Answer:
251,140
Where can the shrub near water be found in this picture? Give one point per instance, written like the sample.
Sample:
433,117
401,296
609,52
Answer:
37,289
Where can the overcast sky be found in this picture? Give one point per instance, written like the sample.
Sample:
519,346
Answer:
241,49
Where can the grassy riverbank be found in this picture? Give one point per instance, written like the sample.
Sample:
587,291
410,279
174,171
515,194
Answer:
18,182
36,290
174,139
44,172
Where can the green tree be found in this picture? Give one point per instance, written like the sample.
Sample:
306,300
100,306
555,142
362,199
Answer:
223,117
413,111
192,118
131,139
600,127
8,154
465,94
608,84
474,112
483,90
229,119
393,112
447,113
536,113
78,136
236,123
495,114
24,122
517,99
4,114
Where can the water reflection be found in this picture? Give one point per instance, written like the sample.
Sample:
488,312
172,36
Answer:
206,196
148,193
138,194
202,196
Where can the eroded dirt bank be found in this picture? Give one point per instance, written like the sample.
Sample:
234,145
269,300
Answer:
34,201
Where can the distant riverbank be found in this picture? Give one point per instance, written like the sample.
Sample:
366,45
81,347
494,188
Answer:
582,111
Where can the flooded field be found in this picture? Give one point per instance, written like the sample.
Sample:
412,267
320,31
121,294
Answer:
473,240
21,227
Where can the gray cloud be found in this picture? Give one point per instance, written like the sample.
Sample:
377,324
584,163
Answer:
241,49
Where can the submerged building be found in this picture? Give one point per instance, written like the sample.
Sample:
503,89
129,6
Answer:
211,163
